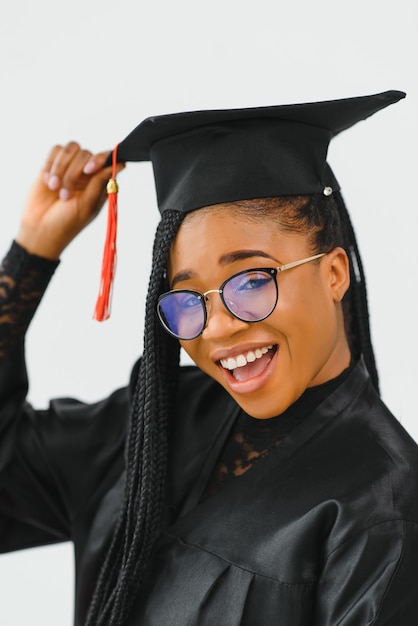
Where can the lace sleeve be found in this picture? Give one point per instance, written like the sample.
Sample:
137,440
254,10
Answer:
23,280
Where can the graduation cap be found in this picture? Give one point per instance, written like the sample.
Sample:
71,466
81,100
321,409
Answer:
209,157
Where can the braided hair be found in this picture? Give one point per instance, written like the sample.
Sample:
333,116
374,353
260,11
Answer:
327,223
146,454
358,311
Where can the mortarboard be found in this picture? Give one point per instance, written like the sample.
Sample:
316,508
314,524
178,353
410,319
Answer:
209,157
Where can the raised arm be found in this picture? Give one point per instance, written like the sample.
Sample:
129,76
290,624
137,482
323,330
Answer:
34,506
67,195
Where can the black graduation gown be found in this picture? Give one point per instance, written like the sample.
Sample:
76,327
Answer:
321,532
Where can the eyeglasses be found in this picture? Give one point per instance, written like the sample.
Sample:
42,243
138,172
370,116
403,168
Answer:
250,296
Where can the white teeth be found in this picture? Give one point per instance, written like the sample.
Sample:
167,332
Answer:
251,357
242,359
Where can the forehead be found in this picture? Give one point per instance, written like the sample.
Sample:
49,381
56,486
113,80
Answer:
208,234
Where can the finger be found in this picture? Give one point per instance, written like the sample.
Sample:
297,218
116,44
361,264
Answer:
96,162
73,178
82,167
60,163
49,161
51,157
76,178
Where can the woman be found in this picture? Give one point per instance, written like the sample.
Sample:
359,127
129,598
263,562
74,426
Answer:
269,486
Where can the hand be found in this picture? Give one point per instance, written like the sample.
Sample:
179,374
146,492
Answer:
68,194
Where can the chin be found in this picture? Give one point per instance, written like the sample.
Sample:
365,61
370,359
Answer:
263,407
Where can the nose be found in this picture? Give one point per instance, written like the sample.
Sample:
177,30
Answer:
220,322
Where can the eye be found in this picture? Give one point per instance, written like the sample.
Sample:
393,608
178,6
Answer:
251,281
188,300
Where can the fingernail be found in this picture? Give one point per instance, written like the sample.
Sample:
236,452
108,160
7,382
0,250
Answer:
65,194
89,167
53,182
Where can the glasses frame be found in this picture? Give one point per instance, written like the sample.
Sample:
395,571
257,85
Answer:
273,271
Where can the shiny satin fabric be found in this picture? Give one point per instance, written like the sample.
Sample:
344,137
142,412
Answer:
321,532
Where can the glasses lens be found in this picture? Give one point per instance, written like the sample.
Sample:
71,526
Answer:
182,313
251,296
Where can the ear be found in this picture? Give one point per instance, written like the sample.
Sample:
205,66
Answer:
338,273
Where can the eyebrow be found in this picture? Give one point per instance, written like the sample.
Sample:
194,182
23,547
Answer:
225,259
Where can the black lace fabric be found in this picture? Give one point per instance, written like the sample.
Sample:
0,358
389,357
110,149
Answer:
23,280
251,439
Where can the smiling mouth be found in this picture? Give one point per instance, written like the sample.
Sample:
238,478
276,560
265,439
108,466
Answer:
250,364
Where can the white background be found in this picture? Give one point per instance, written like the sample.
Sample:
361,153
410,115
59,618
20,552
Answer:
90,70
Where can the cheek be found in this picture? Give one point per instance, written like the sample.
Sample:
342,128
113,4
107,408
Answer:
306,317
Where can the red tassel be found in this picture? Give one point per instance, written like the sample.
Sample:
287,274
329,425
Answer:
103,303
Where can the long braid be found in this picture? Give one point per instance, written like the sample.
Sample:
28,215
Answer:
358,294
329,221
146,455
